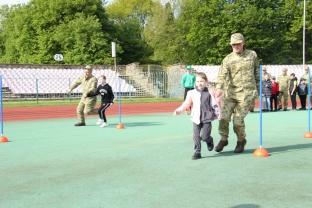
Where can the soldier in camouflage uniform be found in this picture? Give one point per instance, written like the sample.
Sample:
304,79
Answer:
86,105
238,80
264,72
305,76
284,82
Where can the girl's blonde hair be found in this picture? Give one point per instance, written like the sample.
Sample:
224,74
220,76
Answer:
202,75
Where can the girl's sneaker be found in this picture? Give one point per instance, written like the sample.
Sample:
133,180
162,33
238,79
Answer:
99,122
104,124
196,156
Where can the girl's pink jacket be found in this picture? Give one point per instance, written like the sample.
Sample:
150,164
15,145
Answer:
193,100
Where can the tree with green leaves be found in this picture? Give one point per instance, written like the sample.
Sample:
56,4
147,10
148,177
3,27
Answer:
129,16
34,32
162,34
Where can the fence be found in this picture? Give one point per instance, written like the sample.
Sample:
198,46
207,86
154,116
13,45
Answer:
144,84
40,82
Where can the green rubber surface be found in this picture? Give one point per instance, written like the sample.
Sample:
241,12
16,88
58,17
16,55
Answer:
51,163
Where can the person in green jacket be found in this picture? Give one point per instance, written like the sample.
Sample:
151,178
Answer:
188,80
86,105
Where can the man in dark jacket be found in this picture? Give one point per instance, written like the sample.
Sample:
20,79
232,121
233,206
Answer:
293,90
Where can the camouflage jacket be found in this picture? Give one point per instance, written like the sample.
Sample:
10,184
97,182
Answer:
305,76
269,75
284,83
239,72
88,84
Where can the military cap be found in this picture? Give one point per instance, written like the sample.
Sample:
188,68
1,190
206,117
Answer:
273,77
306,68
189,67
284,69
264,69
88,67
302,79
237,38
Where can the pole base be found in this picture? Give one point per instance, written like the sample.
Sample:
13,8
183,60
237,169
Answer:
3,139
120,126
307,135
261,152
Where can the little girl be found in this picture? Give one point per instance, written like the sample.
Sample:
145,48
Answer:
107,99
205,108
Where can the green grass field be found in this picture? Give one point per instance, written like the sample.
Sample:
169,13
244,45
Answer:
51,163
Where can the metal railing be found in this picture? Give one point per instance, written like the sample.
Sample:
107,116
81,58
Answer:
157,84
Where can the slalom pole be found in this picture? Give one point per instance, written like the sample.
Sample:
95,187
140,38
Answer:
119,126
308,134
309,96
2,137
260,152
260,106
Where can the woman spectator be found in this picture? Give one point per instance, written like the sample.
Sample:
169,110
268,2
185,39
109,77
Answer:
266,92
274,94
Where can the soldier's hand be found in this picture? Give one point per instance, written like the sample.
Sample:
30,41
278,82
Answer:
218,93
84,95
176,113
68,92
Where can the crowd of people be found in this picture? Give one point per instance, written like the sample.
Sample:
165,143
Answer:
286,86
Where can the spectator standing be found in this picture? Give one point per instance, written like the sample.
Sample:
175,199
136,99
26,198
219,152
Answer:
266,92
188,80
305,76
283,81
264,72
302,93
293,90
274,94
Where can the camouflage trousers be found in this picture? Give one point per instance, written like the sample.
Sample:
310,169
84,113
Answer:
86,106
241,103
279,99
252,106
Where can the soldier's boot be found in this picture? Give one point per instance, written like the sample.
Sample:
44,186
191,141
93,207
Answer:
240,146
80,124
221,145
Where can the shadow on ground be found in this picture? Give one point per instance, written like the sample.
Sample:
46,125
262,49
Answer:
271,150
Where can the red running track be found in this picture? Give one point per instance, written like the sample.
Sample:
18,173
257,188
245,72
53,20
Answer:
47,112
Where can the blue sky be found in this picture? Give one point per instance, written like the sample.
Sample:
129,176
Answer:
18,1
13,2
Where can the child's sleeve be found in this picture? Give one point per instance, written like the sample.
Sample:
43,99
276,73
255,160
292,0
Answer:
186,104
112,95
